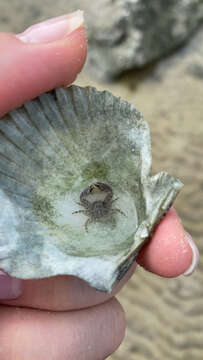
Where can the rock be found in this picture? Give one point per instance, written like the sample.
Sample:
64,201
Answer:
132,33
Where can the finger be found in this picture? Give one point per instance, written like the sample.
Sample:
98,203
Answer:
170,252
10,288
45,56
90,334
61,293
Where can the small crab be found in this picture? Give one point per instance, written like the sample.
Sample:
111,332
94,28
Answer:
97,210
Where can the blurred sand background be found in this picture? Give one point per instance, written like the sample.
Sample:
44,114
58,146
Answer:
164,316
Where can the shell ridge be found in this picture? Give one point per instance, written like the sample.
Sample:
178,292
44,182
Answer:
71,148
38,119
74,105
59,138
11,184
8,140
12,131
109,104
79,96
93,99
71,143
51,109
68,96
64,101
15,194
8,161
26,126
108,150
13,152
91,118
101,105
67,107
146,159
53,140
20,181
17,197
42,149
80,99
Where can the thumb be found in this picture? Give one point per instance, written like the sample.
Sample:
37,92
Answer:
10,288
45,56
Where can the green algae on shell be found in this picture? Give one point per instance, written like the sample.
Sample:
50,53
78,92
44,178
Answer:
51,150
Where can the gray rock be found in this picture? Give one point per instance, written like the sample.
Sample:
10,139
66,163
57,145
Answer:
124,34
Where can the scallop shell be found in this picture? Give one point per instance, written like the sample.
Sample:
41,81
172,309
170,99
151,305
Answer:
51,150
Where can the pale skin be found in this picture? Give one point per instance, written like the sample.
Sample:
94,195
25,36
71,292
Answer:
81,323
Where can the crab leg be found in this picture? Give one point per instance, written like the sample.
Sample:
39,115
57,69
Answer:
88,221
119,211
114,200
80,211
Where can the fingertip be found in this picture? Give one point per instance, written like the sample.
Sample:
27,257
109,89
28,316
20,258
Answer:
168,253
75,56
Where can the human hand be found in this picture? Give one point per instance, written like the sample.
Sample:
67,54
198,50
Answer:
81,323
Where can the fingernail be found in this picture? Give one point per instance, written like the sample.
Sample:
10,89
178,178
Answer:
53,29
195,258
10,288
